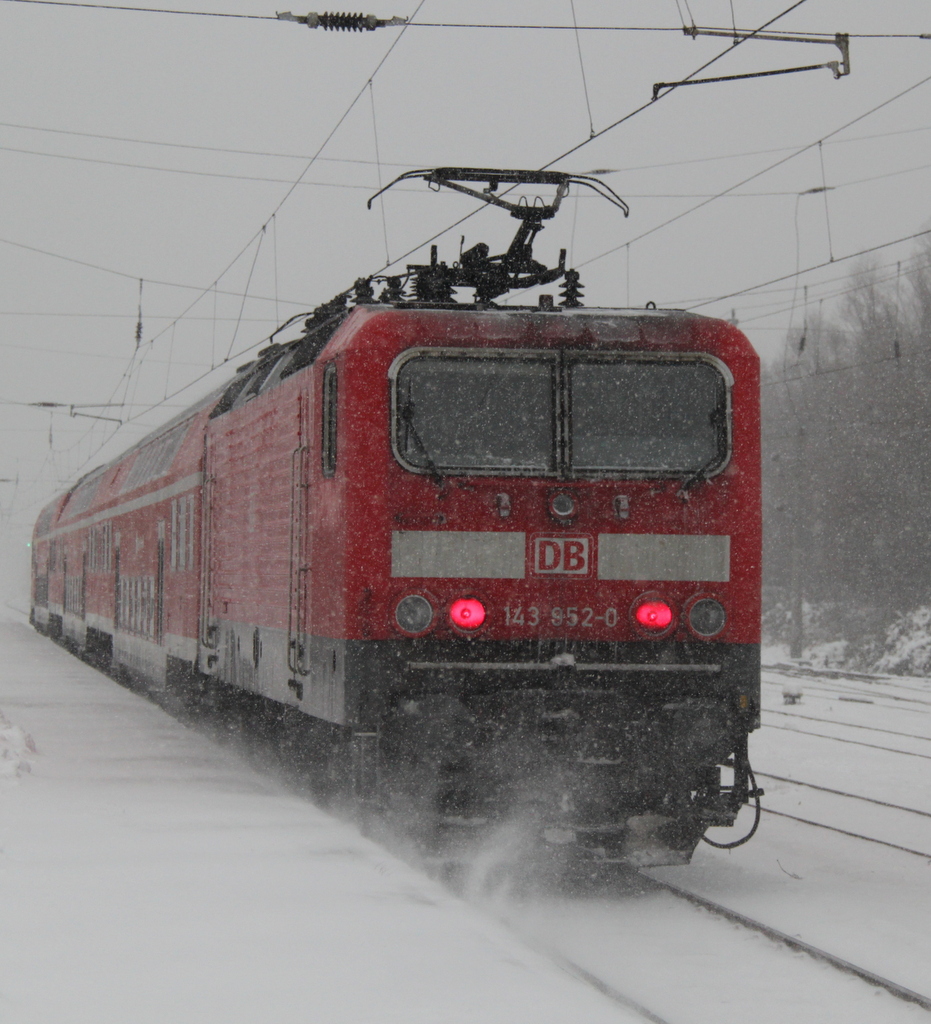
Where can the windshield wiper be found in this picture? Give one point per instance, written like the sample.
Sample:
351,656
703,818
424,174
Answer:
406,414
698,476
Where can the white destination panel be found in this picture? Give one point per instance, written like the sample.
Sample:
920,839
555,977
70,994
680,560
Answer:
664,556
458,554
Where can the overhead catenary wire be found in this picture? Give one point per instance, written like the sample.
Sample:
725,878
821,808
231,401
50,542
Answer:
817,266
132,316
194,146
296,183
694,303
245,292
413,163
384,221
144,10
792,155
760,173
216,290
824,192
682,303
202,292
818,142
578,46
274,268
496,26
373,188
688,77
185,170
777,309
135,277
288,193
780,309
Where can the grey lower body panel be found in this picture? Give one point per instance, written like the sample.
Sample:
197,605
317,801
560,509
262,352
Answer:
356,682
309,674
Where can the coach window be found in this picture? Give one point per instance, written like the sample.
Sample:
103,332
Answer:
329,420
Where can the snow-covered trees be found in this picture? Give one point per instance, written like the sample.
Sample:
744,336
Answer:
847,446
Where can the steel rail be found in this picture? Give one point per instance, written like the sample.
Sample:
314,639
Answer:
576,970
616,996
840,675
856,743
831,676
848,725
830,673
853,835
823,686
840,792
892,987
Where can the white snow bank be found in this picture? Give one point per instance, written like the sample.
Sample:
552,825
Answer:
857,638
908,645
16,750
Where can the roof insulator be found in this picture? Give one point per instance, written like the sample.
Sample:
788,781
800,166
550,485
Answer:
341,22
571,291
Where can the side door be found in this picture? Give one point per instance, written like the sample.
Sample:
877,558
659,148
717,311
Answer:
208,639
299,554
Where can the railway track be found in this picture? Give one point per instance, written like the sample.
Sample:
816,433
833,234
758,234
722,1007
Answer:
839,792
848,725
845,832
805,672
899,703
599,984
856,743
792,942
599,978
877,691
895,989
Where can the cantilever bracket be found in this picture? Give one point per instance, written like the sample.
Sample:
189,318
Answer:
839,68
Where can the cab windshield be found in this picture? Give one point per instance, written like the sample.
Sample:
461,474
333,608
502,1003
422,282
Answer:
560,413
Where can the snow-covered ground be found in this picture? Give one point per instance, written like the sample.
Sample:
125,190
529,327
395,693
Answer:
148,876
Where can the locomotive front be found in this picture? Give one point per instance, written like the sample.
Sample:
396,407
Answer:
565,626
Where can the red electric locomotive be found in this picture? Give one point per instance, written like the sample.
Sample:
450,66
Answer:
504,560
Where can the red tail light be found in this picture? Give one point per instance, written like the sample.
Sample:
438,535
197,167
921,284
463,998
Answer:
467,613
654,615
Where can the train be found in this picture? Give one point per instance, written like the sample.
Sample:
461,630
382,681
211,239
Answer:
489,562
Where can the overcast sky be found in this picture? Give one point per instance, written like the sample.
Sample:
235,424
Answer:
118,140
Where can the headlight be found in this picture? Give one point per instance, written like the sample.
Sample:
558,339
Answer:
413,613
707,616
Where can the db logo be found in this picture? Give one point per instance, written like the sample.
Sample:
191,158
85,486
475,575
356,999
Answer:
565,556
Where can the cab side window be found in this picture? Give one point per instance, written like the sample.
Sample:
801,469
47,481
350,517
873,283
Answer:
328,448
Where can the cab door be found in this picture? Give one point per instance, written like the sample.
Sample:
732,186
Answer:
299,575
